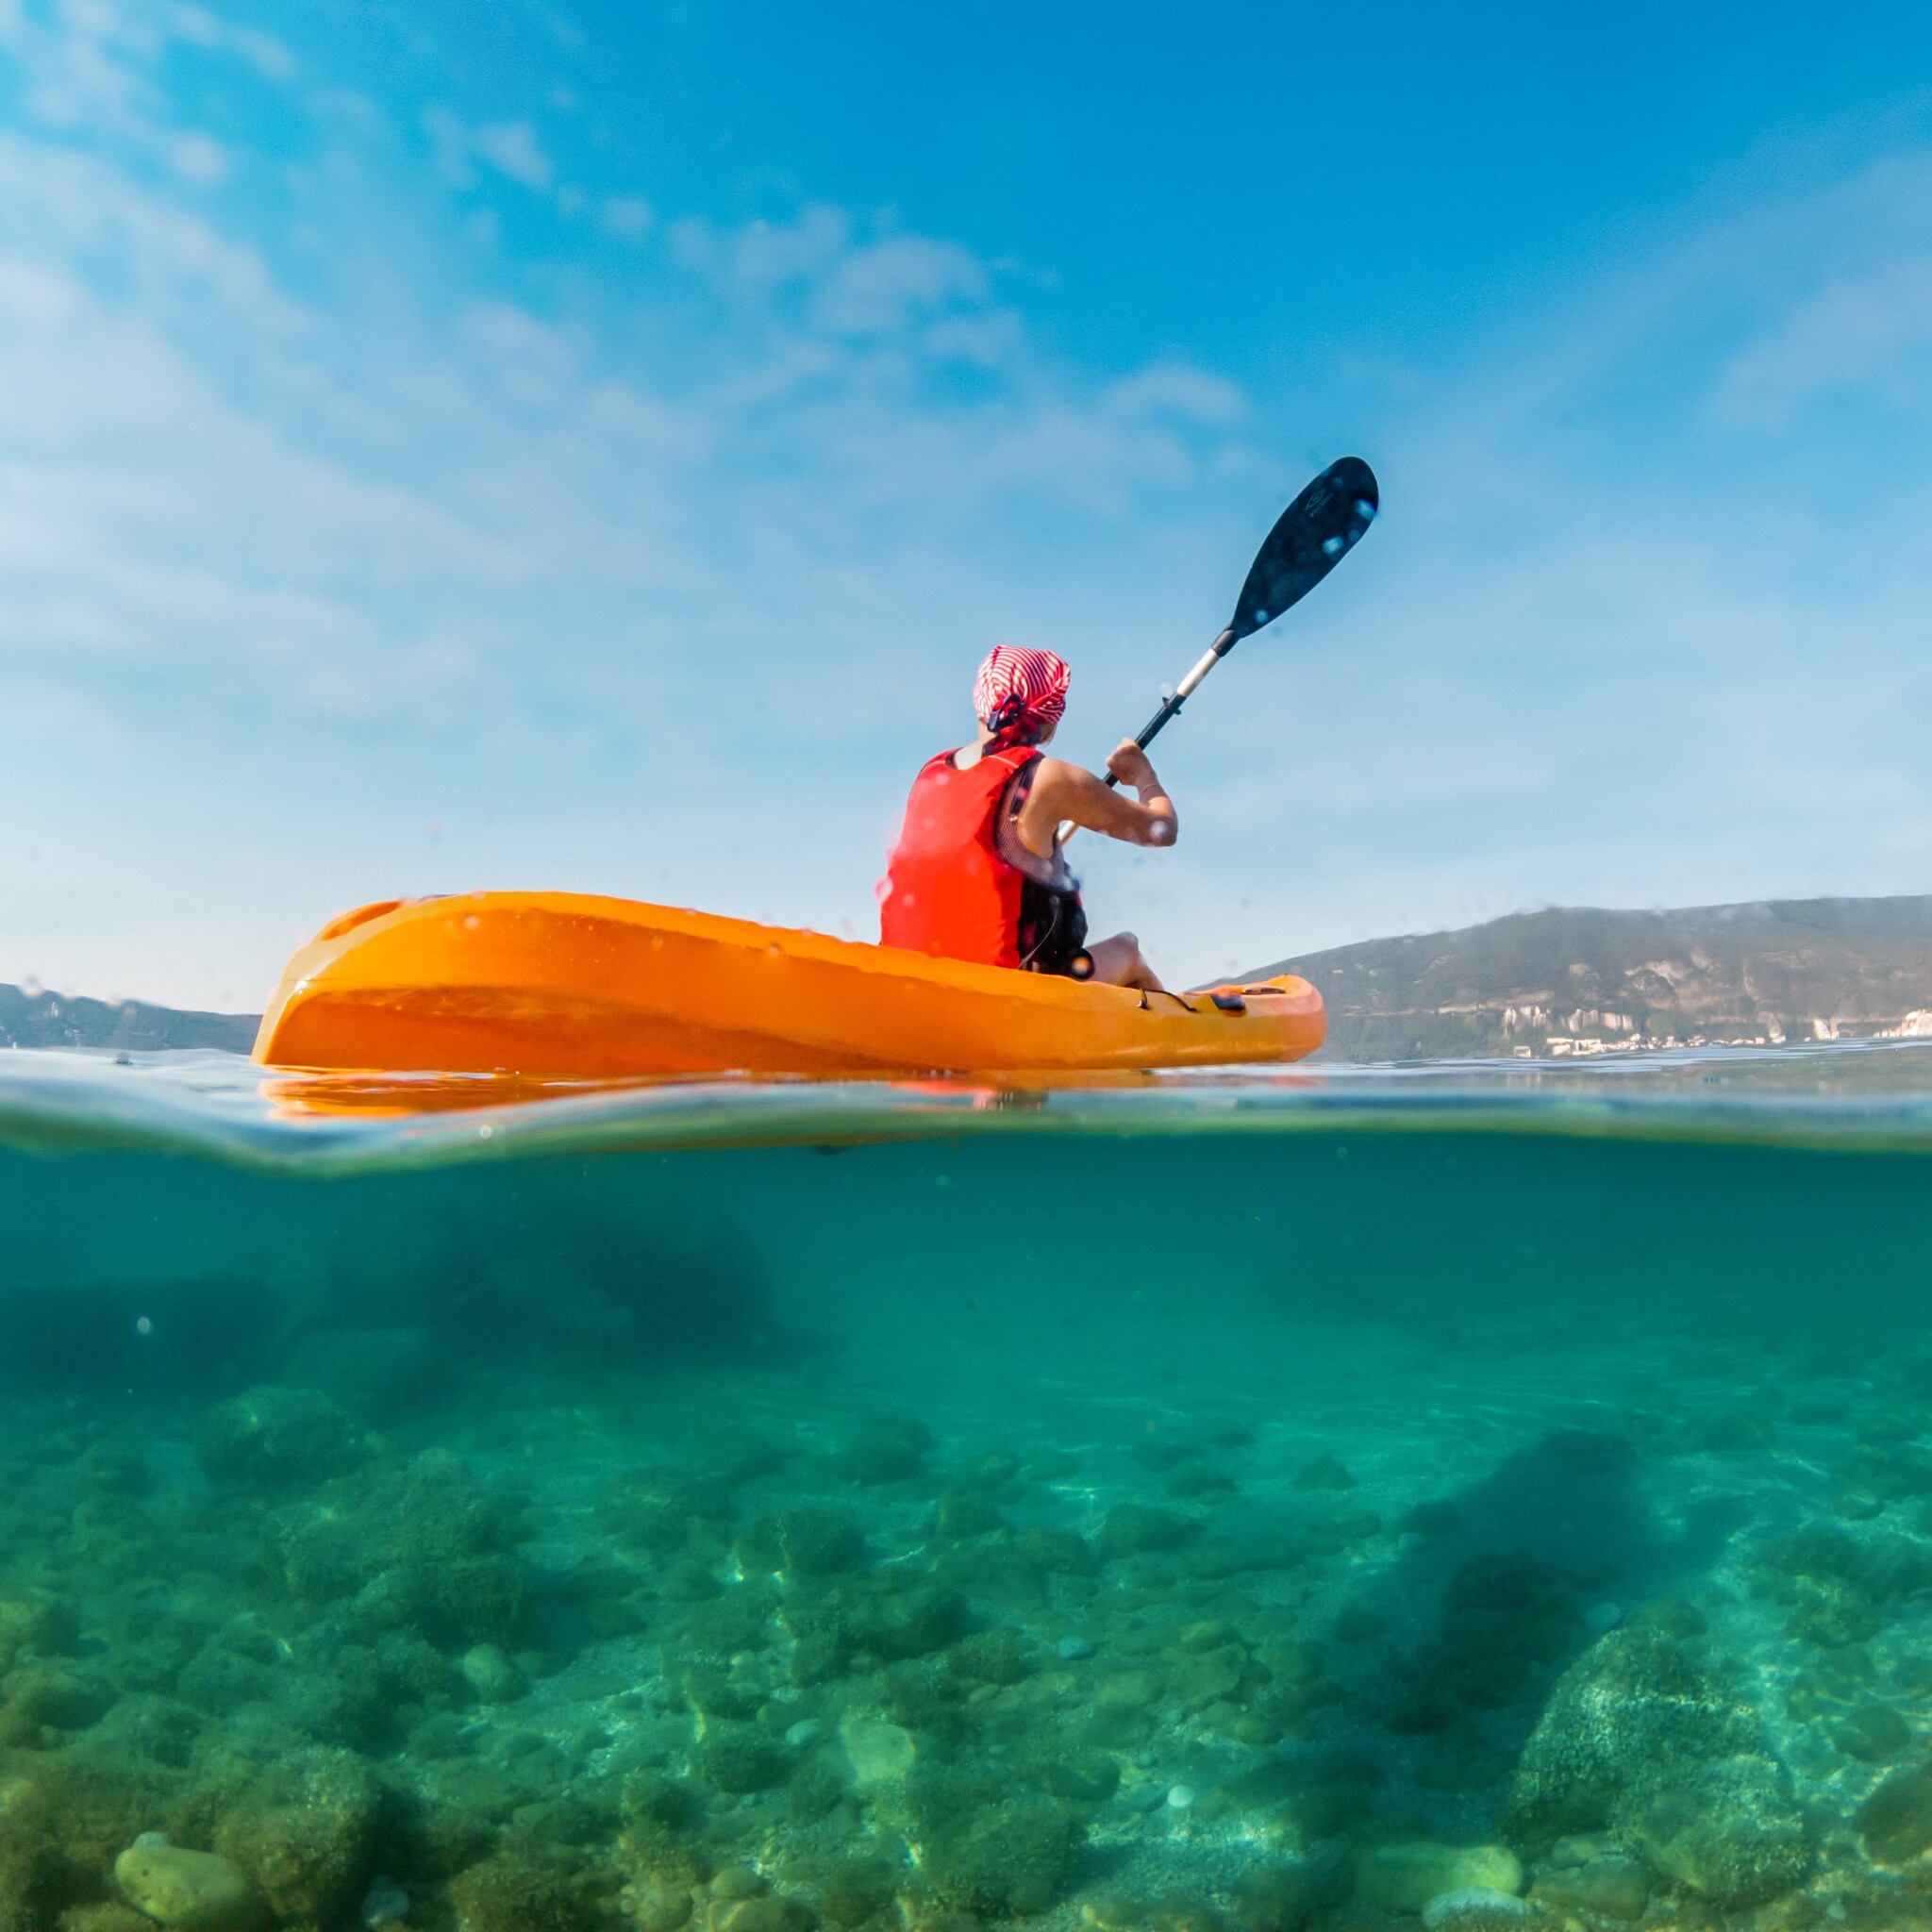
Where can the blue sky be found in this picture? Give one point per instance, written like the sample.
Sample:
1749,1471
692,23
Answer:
590,446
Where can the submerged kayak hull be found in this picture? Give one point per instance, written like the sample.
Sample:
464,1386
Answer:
567,985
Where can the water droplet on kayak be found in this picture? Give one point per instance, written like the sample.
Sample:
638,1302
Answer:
1261,616
1365,510
470,922
1332,547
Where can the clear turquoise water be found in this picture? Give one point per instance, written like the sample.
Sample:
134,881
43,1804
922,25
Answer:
1224,1502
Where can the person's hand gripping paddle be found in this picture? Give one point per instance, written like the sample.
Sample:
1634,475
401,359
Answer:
1314,533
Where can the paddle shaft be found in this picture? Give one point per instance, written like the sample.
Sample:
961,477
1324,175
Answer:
1182,692
1171,708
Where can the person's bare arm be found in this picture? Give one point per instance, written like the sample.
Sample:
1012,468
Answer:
1062,792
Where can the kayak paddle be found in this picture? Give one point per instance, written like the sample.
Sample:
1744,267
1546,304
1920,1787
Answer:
1313,534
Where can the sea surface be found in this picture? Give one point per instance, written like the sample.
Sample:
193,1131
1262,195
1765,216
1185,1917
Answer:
1468,1496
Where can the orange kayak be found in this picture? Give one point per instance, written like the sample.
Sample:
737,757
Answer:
566,985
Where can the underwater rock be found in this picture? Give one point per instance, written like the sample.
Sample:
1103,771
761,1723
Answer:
1842,1588
371,1371
1195,1480
517,1891
1896,1820
492,1675
36,1621
271,1437
1479,1909
772,1913
736,1757
961,1514
1669,1617
1731,1834
990,1656
1324,1473
1356,1623
1873,1733
1091,1780
1506,1620
1010,1856
34,1697
1288,1898
443,1510
303,1833
1429,1518
666,1511
188,1891
652,1907
454,1604
804,1542
1201,1678
1640,1739
1405,1876
995,1471
1057,1552
1335,1530
1135,1689
1615,1889
878,1752
887,1449
855,1888
914,1620
106,1916
1139,1529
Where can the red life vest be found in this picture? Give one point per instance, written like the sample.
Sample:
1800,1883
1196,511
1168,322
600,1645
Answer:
948,891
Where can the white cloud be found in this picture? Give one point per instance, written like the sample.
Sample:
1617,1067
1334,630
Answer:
198,161
1868,332
509,148
629,216
878,288
513,149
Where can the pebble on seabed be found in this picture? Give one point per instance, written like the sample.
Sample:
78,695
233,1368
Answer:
1180,1797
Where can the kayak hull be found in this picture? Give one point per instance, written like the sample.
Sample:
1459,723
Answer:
568,985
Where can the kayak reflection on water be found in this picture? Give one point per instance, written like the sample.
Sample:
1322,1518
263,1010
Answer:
979,872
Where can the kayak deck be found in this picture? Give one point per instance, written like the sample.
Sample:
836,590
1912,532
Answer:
570,985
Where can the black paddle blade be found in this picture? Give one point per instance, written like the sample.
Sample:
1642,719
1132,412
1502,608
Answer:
1316,531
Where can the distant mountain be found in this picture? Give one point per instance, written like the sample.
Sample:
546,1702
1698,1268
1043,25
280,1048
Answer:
48,1018
1579,980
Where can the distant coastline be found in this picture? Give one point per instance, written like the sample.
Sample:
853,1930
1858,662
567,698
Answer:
1577,980
1566,981
51,1019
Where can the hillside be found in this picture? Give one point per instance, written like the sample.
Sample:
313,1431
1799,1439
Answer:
47,1019
1579,979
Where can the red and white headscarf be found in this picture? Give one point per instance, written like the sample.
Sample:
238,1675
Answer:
1019,692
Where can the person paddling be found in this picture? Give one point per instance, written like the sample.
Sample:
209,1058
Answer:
979,873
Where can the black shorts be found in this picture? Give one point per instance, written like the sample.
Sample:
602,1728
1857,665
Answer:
1053,931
